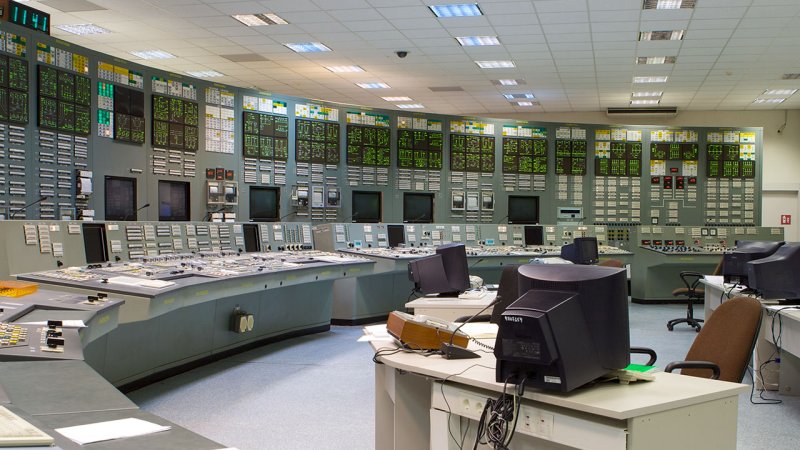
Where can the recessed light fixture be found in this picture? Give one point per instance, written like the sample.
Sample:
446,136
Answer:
373,85
152,54
457,10
641,94
524,103
344,69
769,100
205,73
397,99
308,47
655,60
410,106
644,102
514,96
469,41
785,92
658,79
668,4
258,20
495,64
508,82
675,35
83,29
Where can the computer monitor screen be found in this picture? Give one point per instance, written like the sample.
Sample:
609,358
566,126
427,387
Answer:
120,201
428,275
396,235
534,235
94,242
417,208
523,209
569,327
366,207
173,201
734,264
583,250
252,238
454,259
265,204
776,276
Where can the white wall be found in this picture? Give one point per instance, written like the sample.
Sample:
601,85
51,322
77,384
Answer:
781,150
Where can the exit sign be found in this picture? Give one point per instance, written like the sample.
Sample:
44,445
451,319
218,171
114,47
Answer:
786,219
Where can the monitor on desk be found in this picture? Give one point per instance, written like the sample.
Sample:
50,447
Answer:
252,237
534,235
734,264
583,250
446,273
94,242
396,234
776,276
568,328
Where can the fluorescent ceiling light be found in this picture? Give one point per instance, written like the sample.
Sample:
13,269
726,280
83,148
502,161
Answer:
205,73
495,64
647,94
410,106
83,29
659,79
523,95
769,100
469,41
644,102
785,92
458,10
397,99
508,82
344,69
655,60
152,54
524,103
373,85
258,20
675,35
668,4
308,47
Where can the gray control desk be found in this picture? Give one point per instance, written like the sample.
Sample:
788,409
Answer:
185,323
412,407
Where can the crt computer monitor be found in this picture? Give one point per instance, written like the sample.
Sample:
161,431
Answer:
173,200
523,209
734,263
396,235
417,207
120,198
582,250
568,328
94,242
265,204
252,239
776,276
534,235
445,273
366,207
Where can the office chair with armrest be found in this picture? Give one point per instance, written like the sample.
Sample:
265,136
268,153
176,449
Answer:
725,344
692,291
507,293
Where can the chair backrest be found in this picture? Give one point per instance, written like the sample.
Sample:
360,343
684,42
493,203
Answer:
507,291
611,263
727,339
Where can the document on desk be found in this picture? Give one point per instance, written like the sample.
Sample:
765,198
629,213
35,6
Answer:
113,429
481,330
138,282
15,431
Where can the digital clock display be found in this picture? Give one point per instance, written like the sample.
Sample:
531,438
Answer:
29,17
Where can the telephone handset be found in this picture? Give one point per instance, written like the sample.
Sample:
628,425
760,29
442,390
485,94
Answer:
429,320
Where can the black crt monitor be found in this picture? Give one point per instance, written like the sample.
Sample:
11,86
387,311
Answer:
417,207
534,235
568,328
454,259
120,198
173,201
366,207
396,235
94,242
252,237
428,275
265,204
523,209
583,250
734,264
776,276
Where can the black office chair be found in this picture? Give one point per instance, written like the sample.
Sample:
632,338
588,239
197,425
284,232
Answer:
507,293
692,291
725,345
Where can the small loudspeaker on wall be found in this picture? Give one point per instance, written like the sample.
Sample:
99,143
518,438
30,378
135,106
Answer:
241,321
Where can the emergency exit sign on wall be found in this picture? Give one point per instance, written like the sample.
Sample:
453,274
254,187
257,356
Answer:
786,219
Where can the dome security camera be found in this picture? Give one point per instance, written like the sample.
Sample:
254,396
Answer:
401,53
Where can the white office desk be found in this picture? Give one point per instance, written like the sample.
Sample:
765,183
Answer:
412,414
450,308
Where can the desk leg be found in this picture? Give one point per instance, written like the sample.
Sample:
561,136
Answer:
402,408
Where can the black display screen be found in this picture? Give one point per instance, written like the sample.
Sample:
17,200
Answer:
523,209
366,207
173,200
417,207
120,199
264,204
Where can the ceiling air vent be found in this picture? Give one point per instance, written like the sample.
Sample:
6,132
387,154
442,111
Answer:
633,112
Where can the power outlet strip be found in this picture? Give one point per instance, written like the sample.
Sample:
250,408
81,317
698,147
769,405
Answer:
535,422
